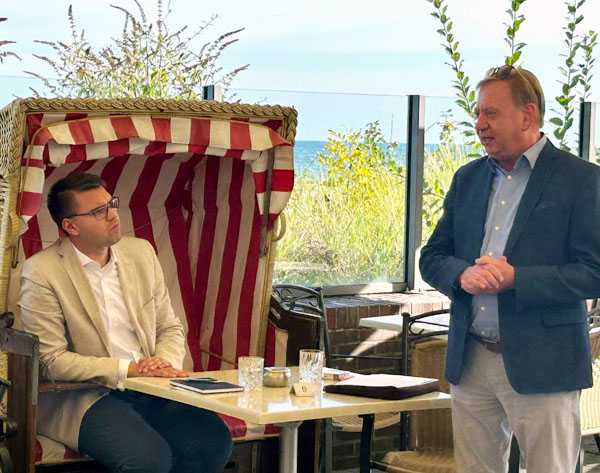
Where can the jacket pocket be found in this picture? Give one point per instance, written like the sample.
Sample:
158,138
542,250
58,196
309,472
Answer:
564,315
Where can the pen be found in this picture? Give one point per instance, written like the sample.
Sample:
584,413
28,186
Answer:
205,380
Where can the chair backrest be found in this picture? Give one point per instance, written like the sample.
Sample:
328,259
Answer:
23,365
432,428
297,320
424,354
590,398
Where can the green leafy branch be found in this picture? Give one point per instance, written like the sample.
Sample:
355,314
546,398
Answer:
511,31
354,158
570,74
589,42
466,94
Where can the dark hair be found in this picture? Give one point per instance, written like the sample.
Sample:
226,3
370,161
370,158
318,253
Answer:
60,203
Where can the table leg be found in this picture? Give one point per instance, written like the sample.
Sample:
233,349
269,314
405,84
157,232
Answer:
288,446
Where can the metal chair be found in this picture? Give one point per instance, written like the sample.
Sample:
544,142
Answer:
308,304
426,436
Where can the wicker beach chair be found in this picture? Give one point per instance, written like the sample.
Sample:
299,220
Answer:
204,182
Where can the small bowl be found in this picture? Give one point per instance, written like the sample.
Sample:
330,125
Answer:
277,377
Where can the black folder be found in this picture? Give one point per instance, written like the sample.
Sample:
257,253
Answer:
206,386
384,386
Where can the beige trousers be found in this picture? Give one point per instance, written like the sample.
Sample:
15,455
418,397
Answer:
486,410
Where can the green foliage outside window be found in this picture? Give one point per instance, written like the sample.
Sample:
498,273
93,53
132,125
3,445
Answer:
346,226
354,158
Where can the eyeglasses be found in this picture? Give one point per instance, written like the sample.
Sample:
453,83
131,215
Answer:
501,72
101,212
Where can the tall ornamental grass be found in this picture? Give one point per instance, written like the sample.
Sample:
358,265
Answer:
346,226
340,236
440,166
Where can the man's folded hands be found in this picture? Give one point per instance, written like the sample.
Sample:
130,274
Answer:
488,276
154,366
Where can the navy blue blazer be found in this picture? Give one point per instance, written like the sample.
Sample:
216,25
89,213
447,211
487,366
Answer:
554,246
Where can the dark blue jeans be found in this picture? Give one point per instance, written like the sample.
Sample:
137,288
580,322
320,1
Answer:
134,432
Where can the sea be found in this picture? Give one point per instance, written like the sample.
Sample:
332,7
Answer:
306,159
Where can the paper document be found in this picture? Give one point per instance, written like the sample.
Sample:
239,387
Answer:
379,380
336,375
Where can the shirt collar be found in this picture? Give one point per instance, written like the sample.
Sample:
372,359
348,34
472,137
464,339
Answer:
531,154
85,259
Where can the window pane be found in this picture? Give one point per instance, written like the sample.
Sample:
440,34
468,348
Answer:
446,149
345,220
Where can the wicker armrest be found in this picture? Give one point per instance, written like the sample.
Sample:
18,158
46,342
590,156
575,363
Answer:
47,385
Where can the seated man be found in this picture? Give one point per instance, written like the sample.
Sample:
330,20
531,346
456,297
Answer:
101,310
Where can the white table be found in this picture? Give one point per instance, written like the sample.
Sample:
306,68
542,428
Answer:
394,322
278,406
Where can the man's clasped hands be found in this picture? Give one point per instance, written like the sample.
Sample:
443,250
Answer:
488,276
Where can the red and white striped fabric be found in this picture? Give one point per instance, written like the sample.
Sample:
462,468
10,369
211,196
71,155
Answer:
99,137
194,188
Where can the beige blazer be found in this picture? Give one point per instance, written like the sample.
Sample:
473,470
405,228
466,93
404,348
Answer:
58,305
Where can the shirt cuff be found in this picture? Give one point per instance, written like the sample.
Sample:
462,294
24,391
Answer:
123,368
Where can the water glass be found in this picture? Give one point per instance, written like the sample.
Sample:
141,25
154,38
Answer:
311,366
250,372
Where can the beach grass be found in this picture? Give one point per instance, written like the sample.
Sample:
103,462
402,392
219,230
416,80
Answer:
341,232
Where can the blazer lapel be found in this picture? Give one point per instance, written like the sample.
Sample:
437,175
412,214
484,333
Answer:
84,291
477,198
130,290
537,182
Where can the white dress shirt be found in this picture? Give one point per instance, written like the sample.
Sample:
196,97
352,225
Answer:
106,286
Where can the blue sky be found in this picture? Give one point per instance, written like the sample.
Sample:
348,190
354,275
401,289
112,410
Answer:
385,47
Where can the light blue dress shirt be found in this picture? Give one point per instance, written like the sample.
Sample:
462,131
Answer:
505,196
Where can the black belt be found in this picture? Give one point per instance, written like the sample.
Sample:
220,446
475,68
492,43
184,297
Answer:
492,345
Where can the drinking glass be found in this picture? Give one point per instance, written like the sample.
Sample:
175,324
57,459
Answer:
250,372
311,366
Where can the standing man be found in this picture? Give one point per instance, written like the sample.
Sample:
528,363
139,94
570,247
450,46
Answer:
101,310
517,250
